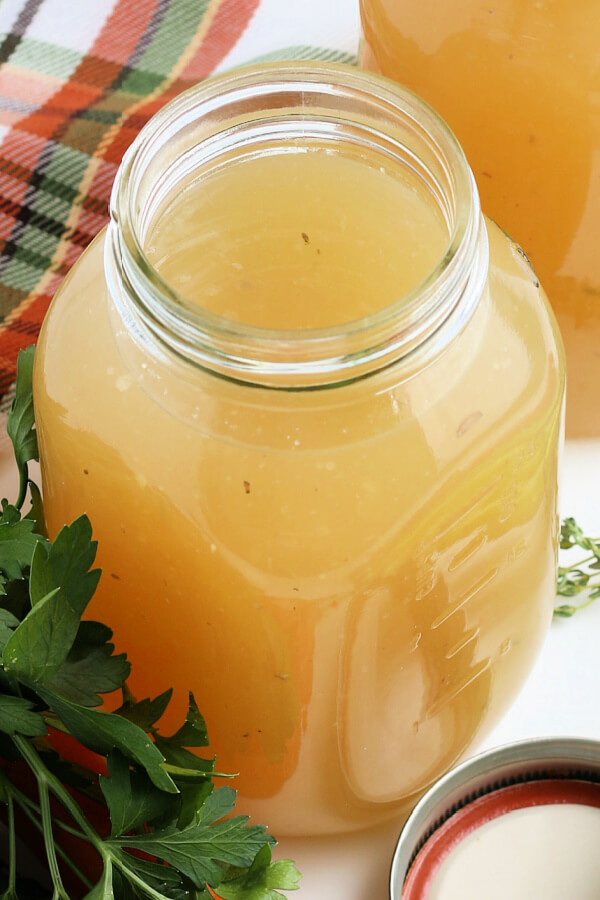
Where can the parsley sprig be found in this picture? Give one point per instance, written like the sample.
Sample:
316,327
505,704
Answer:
582,577
171,834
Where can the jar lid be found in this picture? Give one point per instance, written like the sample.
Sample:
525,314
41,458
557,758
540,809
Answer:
517,822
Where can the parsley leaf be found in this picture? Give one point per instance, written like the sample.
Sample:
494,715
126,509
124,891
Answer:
200,851
21,420
102,732
8,623
16,717
90,668
144,713
261,879
159,876
193,732
182,763
60,587
131,797
65,564
17,543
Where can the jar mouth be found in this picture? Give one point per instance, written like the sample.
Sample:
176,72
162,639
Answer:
295,100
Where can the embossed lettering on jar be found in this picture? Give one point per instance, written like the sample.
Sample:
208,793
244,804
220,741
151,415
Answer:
311,402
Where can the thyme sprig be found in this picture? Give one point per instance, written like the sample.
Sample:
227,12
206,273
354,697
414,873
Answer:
582,577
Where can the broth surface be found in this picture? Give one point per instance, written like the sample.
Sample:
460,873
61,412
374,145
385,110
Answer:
279,241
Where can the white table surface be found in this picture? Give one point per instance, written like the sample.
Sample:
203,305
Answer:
561,697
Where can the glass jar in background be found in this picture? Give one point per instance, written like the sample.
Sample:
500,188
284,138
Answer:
312,404
518,81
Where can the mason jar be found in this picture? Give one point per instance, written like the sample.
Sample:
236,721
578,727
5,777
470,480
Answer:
518,81
311,401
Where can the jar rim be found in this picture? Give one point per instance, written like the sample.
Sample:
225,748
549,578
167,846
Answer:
308,357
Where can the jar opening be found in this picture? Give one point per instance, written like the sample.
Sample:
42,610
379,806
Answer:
296,226
297,234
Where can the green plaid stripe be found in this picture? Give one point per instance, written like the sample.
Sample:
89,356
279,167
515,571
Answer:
171,39
46,59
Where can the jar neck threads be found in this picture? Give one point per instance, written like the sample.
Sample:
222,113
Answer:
297,103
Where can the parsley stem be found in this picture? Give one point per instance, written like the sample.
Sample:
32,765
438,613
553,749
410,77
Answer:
12,848
23,482
27,810
25,801
59,889
34,761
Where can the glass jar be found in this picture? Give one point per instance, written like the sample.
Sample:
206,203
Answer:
328,510
518,81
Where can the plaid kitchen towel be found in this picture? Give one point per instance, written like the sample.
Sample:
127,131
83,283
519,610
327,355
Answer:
78,79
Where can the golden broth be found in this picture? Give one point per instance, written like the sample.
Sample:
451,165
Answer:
518,82
352,581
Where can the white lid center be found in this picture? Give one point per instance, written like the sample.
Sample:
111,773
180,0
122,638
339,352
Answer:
550,851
